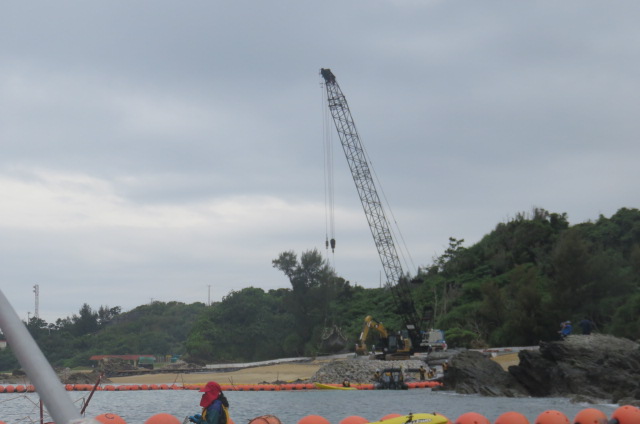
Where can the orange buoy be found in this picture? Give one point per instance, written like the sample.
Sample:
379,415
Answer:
626,414
265,419
1,389
512,417
313,419
389,416
472,418
110,418
20,388
354,419
590,416
162,418
552,417
9,389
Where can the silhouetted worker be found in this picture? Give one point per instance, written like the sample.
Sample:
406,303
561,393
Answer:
586,325
565,329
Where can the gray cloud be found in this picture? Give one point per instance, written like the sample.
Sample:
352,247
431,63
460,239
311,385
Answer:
152,149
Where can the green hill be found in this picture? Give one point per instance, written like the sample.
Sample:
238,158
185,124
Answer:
511,288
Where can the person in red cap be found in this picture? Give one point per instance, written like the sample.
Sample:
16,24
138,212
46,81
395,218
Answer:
214,406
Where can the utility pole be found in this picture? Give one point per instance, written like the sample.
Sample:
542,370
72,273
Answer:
36,290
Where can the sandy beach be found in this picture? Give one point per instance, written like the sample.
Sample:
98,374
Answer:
254,375
287,372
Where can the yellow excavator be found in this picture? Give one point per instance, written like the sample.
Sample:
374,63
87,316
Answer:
390,346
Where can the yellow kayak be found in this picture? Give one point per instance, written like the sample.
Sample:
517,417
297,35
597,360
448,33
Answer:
333,387
415,419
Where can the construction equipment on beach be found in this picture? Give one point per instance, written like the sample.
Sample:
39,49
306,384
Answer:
374,212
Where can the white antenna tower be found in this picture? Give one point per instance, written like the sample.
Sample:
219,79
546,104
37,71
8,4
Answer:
36,290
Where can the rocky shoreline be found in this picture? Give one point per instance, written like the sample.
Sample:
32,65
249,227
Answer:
595,369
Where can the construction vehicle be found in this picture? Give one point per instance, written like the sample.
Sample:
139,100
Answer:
390,346
378,223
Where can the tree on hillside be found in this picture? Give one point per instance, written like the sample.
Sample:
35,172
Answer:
314,285
247,325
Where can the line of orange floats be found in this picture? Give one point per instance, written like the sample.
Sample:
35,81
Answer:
28,388
625,414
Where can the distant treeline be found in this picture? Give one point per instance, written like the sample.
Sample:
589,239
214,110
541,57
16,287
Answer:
512,288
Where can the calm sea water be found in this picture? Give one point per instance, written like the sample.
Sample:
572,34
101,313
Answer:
291,406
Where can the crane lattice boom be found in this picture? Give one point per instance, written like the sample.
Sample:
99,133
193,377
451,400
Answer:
378,224
362,177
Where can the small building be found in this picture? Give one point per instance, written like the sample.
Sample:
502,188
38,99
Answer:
135,360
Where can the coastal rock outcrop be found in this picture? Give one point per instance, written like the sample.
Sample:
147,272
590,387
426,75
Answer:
597,366
472,372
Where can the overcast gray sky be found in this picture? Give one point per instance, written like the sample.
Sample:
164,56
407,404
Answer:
151,149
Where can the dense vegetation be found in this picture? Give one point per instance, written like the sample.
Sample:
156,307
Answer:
513,287
157,328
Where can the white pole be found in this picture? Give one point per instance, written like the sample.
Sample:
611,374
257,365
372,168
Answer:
40,373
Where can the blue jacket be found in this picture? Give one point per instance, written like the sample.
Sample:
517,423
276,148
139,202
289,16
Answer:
213,413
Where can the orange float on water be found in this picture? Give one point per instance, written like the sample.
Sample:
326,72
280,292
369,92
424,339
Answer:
9,389
1,389
590,416
20,388
472,418
162,419
552,417
110,418
626,414
265,419
354,419
313,419
512,417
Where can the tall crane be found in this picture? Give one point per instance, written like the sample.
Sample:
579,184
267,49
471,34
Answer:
378,223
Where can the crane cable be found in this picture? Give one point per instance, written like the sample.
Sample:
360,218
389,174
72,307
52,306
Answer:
327,141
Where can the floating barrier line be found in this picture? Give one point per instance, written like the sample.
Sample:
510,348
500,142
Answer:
28,388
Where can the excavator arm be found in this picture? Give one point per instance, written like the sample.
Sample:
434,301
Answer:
370,324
